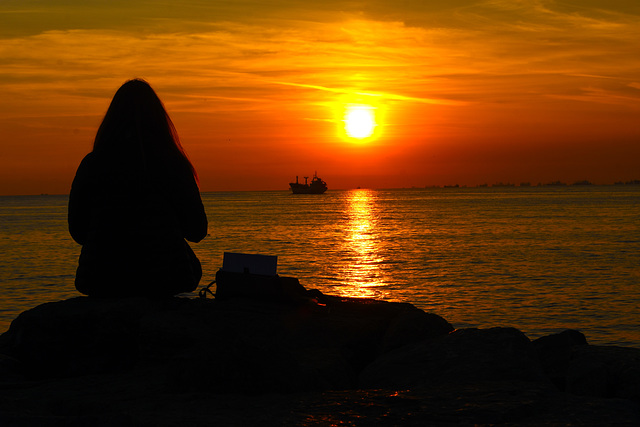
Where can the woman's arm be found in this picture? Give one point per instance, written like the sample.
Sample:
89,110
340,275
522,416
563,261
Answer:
78,210
191,214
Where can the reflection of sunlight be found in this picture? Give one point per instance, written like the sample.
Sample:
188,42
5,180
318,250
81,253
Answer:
362,272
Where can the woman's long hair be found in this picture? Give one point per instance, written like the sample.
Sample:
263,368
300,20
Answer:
137,125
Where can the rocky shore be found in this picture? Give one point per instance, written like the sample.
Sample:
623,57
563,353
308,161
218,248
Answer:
179,361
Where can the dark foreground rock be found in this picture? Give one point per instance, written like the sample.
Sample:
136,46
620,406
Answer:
352,362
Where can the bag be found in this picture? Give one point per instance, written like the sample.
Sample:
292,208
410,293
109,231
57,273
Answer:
260,287
254,277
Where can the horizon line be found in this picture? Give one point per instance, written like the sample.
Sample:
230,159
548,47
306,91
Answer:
585,183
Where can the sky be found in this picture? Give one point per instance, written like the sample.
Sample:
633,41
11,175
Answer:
462,92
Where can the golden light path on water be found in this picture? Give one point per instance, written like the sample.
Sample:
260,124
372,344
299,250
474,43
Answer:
363,273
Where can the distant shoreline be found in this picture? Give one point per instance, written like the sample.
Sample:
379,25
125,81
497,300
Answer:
554,184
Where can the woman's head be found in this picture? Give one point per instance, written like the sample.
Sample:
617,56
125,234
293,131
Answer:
137,125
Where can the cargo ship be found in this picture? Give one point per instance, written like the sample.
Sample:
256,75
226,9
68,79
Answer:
317,186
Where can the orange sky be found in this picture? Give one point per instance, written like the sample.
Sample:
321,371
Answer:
466,92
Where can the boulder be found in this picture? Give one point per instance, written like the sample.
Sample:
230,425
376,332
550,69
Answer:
554,352
465,356
587,370
76,336
231,345
604,371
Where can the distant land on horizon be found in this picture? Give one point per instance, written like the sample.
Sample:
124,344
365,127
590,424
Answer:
415,187
540,184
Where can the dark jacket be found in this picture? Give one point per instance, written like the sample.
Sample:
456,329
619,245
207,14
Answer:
132,225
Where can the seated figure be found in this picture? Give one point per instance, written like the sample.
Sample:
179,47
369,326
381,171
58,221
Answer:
134,201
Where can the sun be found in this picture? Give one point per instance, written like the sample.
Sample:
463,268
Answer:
359,121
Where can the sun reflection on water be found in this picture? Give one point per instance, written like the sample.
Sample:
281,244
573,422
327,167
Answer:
362,244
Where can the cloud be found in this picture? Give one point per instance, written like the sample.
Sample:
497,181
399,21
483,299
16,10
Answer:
387,96
602,96
466,52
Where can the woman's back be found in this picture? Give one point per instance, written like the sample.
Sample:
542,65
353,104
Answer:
132,211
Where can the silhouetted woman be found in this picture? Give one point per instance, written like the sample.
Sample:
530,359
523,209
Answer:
134,201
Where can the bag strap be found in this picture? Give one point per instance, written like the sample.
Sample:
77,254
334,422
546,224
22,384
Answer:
203,292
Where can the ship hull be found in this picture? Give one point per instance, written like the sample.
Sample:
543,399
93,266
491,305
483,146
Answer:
306,189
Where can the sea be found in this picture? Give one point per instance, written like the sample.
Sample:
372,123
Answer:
540,259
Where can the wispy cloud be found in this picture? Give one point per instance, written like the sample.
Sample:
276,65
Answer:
388,96
402,61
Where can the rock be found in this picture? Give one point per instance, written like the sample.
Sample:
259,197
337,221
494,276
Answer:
465,356
588,370
179,361
554,352
600,371
10,369
235,345
76,336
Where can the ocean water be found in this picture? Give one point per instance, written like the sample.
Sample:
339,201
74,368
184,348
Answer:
541,259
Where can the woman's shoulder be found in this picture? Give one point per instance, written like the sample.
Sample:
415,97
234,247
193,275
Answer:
101,163
86,166
88,161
